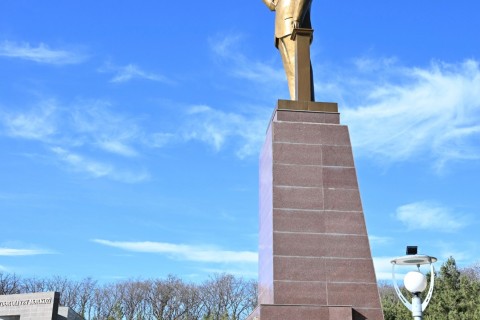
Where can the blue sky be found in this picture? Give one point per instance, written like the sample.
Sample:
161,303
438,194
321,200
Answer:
130,130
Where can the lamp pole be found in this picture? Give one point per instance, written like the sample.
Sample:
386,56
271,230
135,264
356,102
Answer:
415,281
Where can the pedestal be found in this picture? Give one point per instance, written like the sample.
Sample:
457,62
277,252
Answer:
314,253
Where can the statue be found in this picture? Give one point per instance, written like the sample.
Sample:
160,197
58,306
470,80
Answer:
290,15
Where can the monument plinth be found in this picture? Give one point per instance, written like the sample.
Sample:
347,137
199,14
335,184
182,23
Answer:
314,253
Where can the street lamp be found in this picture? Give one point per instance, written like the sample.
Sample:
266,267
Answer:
415,281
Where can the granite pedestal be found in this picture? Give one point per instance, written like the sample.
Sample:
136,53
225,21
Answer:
314,253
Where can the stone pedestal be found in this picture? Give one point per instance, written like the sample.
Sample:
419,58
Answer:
314,253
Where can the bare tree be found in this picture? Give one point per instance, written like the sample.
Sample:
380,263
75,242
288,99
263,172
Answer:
472,272
31,285
105,301
166,298
221,297
132,299
86,289
9,284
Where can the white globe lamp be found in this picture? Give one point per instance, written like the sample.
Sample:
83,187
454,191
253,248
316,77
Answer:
415,281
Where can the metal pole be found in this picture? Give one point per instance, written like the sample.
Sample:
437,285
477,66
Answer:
417,307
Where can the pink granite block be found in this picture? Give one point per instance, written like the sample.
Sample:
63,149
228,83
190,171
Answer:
300,292
265,297
339,177
358,295
296,312
299,269
299,244
333,118
342,199
293,153
339,156
320,245
299,221
345,222
334,135
344,246
340,313
297,198
297,176
305,116
350,270
294,132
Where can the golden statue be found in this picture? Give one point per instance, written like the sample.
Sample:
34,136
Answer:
290,15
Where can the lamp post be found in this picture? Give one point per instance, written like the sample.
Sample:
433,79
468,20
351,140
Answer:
415,281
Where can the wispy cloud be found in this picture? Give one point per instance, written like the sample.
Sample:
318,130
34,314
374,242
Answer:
430,216
36,124
378,240
216,127
12,252
227,48
86,136
184,252
41,53
97,169
130,72
433,111
395,113
111,132
383,268
466,253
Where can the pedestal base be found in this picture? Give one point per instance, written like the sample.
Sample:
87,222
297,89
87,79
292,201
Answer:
314,254
312,312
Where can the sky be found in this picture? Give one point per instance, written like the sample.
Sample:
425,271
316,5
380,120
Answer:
130,130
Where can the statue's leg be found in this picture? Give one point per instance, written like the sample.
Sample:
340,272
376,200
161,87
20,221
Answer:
287,51
311,83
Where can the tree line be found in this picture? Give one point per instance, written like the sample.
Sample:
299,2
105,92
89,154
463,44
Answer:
226,297
221,297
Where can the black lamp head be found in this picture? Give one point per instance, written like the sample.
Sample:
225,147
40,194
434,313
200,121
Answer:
411,250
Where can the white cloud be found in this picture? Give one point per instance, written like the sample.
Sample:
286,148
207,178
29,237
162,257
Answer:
383,268
158,139
395,113
36,124
467,253
41,54
111,132
430,216
97,169
378,240
268,74
185,252
215,127
367,64
81,164
130,72
11,252
435,110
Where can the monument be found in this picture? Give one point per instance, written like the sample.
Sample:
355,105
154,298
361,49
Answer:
314,255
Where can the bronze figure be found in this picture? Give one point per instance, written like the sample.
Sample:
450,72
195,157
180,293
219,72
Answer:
289,15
